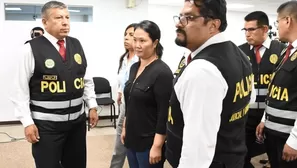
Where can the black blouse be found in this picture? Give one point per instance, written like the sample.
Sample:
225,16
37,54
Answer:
147,101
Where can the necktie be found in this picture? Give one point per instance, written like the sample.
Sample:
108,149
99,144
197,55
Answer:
258,55
288,52
189,59
62,49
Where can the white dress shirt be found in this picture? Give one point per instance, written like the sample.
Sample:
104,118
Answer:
21,95
201,90
124,72
265,45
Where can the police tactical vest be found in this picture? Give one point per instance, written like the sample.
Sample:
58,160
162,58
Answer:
262,74
57,86
182,63
236,69
281,111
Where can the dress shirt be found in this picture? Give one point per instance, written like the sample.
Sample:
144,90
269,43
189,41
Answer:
265,45
123,75
21,95
197,99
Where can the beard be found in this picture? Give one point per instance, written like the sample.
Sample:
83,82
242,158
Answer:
179,42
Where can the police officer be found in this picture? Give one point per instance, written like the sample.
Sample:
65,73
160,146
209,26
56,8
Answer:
264,55
36,32
281,110
210,100
51,88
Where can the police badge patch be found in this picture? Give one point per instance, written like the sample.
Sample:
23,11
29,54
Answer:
273,58
49,63
77,58
294,56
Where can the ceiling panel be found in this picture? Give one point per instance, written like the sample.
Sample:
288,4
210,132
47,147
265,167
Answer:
268,6
36,9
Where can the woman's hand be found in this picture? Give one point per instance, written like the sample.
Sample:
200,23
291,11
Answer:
155,154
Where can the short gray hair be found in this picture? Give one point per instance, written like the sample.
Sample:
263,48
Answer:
50,5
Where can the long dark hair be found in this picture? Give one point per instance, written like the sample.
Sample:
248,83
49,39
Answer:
126,52
154,33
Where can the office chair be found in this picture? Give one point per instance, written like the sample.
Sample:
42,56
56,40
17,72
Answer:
102,86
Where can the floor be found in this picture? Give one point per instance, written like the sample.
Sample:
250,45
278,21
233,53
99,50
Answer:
17,153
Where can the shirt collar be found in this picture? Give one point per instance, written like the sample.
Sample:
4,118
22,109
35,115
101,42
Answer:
133,60
266,43
218,38
51,38
294,44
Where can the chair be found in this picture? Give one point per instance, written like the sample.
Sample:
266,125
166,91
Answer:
102,86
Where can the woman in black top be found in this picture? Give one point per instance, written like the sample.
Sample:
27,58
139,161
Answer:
147,95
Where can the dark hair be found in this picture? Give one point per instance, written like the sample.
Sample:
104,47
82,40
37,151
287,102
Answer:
154,33
213,9
126,52
37,28
259,16
289,8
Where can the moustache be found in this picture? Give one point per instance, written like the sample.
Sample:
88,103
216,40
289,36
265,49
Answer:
180,31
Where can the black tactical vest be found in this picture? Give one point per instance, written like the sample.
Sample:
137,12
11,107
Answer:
236,69
281,111
57,86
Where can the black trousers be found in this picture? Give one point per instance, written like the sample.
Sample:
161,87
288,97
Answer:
61,145
274,147
254,148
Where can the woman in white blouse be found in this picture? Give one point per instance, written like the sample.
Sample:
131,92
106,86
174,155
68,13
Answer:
126,60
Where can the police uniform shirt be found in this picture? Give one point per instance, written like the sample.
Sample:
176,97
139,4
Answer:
265,45
292,140
201,90
21,94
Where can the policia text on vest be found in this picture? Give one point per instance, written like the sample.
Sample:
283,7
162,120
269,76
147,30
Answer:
50,83
243,89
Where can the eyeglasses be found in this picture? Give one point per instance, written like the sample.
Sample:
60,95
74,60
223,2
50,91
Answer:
184,19
277,21
252,29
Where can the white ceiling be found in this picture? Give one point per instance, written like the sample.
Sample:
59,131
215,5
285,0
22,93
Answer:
268,6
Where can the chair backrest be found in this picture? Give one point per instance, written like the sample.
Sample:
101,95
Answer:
102,85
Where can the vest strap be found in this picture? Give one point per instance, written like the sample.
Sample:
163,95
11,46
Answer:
261,92
258,105
57,104
278,127
56,117
281,113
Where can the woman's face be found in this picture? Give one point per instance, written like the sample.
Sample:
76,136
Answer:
128,38
144,47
